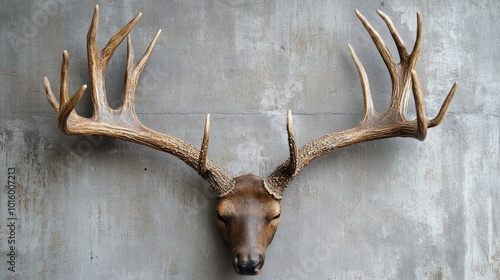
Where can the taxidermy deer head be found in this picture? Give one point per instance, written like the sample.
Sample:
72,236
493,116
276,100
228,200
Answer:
248,206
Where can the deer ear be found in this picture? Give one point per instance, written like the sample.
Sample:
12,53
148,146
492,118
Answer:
276,189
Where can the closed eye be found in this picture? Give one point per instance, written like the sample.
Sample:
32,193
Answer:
277,216
221,218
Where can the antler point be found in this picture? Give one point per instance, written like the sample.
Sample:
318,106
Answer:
382,14
96,11
419,19
351,48
289,119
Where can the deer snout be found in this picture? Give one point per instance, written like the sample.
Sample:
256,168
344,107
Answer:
250,262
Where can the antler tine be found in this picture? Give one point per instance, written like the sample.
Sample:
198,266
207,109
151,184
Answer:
202,161
292,144
129,96
403,52
421,131
50,95
127,104
66,104
142,61
444,108
63,82
134,71
369,112
66,110
418,42
92,33
116,39
96,77
382,48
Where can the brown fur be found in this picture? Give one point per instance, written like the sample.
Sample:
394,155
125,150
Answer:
248,218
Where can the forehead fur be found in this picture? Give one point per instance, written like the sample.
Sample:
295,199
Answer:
249,195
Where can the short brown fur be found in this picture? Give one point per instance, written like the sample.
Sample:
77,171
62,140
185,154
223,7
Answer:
248,218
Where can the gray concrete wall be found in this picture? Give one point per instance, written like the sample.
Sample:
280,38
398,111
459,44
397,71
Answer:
93,208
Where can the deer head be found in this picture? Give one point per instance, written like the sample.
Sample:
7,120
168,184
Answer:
248,206
248,218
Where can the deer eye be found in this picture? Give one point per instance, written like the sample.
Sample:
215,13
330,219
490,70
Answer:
221,218
277,216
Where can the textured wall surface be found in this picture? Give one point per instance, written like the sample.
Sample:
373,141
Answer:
94,208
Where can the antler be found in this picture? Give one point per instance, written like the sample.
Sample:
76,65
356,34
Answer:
392,123
122,123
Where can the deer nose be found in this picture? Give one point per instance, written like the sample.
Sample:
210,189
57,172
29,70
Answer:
249,264
248,267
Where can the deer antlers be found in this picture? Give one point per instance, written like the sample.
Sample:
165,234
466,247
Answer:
392,123
248,207
122,123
